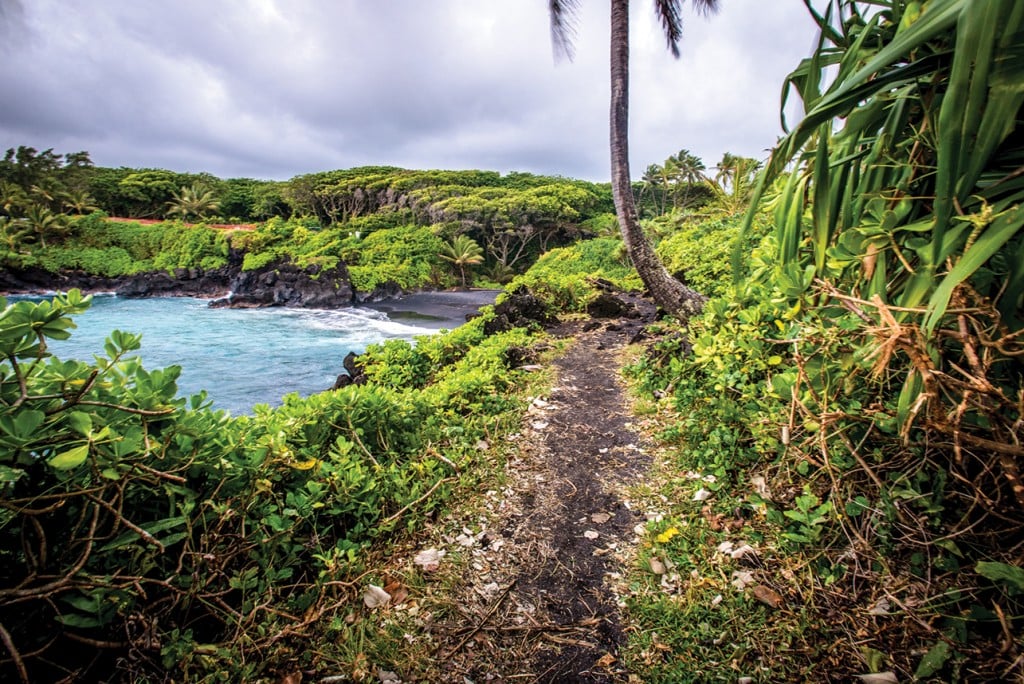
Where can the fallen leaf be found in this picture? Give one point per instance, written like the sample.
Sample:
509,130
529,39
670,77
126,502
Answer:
539,425
743,550
741,578
701,495
605,661
591,534
483,445
399,595
374,596
600,518
767,596
429,560
881,607
388,677
291,678
761,487
657,567
878,678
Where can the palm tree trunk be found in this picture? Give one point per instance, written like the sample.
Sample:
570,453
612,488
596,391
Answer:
668,292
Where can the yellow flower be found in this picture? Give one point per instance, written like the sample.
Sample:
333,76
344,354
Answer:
665,536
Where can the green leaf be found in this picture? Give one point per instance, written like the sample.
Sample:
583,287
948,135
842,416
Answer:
992,240
1011,575
23,425
79,620
72,458
933,660
8,474
80,422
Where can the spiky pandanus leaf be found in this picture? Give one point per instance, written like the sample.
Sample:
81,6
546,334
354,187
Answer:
929,97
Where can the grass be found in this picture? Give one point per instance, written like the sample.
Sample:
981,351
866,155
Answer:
697,613
406,637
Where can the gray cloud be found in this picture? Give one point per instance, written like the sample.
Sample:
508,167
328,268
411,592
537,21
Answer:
271,89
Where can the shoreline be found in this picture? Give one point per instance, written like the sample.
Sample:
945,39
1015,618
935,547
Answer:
430,309
436,309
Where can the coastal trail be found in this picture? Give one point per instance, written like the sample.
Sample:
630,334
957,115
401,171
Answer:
537,599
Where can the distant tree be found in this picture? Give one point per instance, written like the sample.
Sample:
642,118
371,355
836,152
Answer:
14,233
43,222
734,182
148,192
13,198
687,173
78,201
26,166
463,251
671,294
194,201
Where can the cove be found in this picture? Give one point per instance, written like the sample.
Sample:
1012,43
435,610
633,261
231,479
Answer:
245,357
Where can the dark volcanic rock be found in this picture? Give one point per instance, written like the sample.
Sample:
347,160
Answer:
286,284
607,305
383,292
353,374
520,309
35,280
182,283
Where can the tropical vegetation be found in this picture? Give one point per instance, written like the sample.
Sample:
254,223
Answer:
839,492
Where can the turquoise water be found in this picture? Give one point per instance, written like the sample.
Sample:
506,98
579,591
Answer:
242,357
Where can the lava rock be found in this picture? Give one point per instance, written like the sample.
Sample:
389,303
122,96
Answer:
520,309
608,305
286,284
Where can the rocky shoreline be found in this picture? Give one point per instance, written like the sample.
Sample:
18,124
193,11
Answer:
277,284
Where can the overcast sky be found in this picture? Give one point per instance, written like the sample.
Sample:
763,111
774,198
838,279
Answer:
275,88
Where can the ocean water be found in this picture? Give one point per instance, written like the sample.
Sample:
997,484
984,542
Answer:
244,357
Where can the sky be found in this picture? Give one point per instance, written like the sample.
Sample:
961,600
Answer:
271,89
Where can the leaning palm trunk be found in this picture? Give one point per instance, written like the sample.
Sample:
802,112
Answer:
668,292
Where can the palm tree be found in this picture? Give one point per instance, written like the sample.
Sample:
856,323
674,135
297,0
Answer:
14,233
463,251
734,182
688,171
78,201
672,295
44,222
12,198
193,201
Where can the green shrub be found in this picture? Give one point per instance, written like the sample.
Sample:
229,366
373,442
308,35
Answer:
126,505
701,250
407,255
563,277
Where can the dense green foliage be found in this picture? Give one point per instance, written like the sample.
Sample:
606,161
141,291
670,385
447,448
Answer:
857,392
135,517
97,246
390,226
564,278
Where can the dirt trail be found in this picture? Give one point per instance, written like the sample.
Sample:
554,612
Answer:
540,607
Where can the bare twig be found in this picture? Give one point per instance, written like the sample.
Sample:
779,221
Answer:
15,656
487,616
397,515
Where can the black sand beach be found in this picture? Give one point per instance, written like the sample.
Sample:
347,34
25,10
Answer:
435,309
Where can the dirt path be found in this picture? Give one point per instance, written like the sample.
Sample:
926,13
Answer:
540,607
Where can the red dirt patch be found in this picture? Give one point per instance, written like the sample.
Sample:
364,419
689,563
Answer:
218,226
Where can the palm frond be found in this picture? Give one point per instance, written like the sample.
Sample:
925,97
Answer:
563,27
